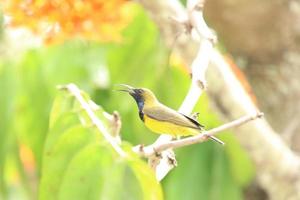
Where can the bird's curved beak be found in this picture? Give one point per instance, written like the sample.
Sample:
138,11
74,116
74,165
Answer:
127,88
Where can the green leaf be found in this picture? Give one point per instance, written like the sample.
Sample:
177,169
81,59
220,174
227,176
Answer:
83,179
149,185
78,163
56,159
93,174
62,104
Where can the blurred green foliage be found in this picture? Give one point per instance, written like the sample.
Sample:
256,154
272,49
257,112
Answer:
78,163
27,90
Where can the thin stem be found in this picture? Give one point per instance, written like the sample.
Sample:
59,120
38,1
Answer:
73,89
155,148
205,135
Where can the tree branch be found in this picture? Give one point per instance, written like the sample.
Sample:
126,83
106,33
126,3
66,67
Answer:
151,150
73,89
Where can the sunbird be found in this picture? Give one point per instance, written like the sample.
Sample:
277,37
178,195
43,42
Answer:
162,119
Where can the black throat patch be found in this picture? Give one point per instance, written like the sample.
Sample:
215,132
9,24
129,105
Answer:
140,103
141,114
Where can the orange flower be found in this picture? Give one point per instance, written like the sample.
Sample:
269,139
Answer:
57,20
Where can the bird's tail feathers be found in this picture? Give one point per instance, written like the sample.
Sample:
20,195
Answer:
216,139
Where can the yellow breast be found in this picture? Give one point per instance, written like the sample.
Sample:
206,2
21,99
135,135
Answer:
162,127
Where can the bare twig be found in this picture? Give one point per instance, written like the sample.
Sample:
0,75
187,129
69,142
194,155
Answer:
73,89
196,20
157,148
204,136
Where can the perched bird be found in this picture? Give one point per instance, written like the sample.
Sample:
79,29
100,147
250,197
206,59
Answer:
162,119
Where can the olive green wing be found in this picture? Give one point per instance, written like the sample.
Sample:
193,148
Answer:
193,121
165,114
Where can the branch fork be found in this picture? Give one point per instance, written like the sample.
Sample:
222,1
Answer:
193,19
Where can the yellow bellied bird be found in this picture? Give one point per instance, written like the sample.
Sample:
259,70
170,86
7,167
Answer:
162,119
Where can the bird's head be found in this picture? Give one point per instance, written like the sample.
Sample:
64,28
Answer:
142,96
